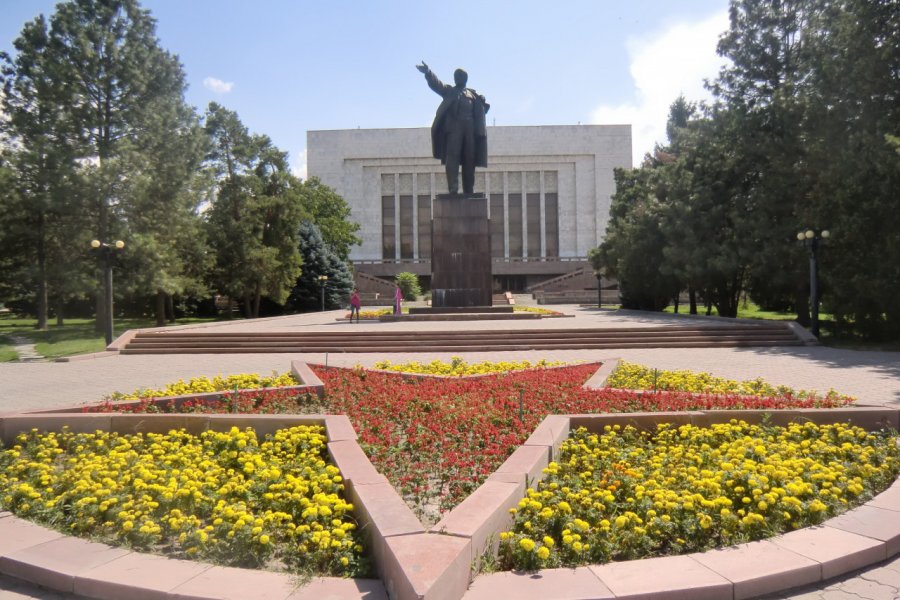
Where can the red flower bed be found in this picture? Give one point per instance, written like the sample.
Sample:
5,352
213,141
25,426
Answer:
437,439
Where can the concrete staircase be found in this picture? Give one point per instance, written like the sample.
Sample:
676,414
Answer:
682,336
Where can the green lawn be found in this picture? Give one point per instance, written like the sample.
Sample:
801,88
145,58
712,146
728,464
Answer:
749,311
7,353
77,336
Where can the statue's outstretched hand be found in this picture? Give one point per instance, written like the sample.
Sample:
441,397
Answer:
423,68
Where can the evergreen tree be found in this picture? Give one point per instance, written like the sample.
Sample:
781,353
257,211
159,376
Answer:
254,219
319,259
331,215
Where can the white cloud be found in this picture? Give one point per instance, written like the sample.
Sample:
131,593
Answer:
298,164
672,62
217,85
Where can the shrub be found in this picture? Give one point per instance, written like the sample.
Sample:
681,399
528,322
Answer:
409,285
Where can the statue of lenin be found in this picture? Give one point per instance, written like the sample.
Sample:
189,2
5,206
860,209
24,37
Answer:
459,131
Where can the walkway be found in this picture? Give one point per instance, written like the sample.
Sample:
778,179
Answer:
26,349
873,377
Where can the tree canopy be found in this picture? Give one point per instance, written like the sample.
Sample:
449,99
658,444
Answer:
801,135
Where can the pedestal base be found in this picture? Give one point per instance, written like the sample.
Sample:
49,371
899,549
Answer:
460,251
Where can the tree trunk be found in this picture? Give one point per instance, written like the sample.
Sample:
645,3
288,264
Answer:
42,278
675,303
170,307
160,308
60,316
801,301
707,298
248,307
100,323
257,299
692,296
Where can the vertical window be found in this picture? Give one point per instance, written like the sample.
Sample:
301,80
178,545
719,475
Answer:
551,223
497,220
406,226
515,225
424,225
533,203
388,249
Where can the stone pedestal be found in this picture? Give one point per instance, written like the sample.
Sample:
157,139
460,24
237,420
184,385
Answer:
460,251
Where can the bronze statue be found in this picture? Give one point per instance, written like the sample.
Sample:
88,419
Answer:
459,131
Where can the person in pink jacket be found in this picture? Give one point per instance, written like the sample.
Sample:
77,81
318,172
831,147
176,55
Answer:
355,305
398,299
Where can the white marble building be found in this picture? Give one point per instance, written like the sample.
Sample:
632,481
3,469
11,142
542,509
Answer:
548,188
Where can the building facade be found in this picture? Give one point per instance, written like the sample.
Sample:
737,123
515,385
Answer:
548,190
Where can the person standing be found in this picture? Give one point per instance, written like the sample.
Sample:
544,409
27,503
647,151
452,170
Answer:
355,305
398,299
459,131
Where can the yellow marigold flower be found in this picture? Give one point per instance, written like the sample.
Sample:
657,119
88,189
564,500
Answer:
526,544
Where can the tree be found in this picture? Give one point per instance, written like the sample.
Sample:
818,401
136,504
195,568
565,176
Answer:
93,102
813,84
254,220
331,215
319,259
705,190
633,249
42,218
167,248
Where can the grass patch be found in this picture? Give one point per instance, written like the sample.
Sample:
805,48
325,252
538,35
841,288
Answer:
749,310
77,336
7,351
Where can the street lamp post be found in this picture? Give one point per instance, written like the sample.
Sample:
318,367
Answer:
107,251
812,239
323,279
598,275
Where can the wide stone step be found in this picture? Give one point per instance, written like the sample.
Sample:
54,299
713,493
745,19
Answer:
196,342
529,333
300,349
450,340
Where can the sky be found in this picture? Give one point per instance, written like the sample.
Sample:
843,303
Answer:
289,66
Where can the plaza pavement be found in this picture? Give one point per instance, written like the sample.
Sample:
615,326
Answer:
873,377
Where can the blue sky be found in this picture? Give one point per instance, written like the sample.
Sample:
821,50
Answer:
288,66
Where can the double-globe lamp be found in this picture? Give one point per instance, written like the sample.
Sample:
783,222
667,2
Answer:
106,250
811,238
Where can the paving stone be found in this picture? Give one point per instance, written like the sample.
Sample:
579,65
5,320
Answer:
55,564
872,522
332,588
838,551
572,584
137,577
869,589
674,578
427,566
884,576
226,583
17,534
760,568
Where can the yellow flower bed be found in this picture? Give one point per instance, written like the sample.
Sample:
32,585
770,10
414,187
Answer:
219,383
459,367
226,497
536,309
626,494
632,376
